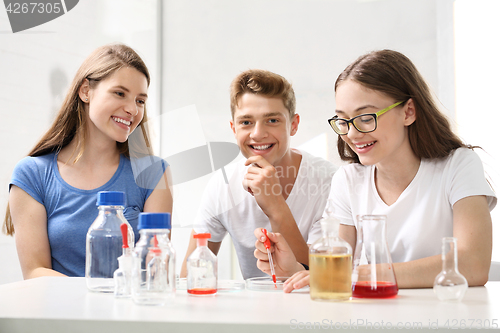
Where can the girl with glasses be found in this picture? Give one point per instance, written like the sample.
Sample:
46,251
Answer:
405,162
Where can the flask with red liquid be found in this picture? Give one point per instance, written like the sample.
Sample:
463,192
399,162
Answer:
373,273
202,268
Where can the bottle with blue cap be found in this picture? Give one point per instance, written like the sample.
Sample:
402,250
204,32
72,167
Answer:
105,240
153,275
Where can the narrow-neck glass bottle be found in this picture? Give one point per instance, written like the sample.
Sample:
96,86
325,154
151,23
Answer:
449,284
330,264
202,268
104,241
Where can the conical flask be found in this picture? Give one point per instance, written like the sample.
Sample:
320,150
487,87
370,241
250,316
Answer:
449,284
373,273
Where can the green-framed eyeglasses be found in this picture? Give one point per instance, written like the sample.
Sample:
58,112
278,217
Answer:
364,123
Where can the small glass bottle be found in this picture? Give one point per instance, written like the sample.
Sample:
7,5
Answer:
202,268
449,284
330,264
123,275
373,273
104,242
153,275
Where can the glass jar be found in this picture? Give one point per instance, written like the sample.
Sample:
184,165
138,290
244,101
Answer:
104,241
330,264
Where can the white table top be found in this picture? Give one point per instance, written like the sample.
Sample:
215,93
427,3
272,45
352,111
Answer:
57,304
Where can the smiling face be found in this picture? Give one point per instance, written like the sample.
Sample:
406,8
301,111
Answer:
262,126
116,105
390,140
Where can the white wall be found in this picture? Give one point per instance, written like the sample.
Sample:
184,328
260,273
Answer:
476,34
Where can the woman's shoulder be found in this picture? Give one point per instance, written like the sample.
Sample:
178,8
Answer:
458,157
35,162
146,170
356,168
353,172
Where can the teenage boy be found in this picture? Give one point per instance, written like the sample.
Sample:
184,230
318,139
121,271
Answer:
278,188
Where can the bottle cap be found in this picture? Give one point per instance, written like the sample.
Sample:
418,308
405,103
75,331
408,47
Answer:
329,223
205,235
154,221
110,198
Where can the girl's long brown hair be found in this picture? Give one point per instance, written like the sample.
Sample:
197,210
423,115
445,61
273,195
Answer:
393,74
71,120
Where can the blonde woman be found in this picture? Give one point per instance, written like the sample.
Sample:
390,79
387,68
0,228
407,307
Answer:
53,191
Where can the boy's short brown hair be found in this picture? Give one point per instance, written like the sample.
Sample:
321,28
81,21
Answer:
265,83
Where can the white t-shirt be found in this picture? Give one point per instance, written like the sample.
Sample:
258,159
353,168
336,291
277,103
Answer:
423,213
230,208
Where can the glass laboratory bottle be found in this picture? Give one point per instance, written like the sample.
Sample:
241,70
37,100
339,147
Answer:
202,268
330,264
123,275
373,273
153,274
104,241
449,284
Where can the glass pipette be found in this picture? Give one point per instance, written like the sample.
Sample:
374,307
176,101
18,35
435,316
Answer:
267,244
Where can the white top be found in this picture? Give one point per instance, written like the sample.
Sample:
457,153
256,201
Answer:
230,208
423,213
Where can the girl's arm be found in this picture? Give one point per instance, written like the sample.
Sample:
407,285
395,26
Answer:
32,241
473,230
160,200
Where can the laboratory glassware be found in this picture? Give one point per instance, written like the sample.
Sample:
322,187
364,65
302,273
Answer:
373,273
449,284
202,268
330,264
104,241
153,274
123,275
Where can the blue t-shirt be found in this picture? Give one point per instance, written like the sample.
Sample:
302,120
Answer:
71,211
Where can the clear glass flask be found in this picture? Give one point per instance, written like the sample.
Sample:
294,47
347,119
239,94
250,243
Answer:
373,273
202,268
330,264
153,275
449,284
104,242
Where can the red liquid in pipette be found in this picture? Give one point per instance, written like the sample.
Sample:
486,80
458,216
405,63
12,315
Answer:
202,291
381,290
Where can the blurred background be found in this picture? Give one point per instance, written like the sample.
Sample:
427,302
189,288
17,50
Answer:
194,49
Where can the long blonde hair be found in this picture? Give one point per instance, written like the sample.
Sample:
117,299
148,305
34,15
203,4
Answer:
71,120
